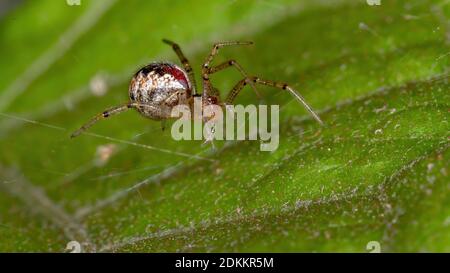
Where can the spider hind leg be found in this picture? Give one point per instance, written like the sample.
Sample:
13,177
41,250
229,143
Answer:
105,114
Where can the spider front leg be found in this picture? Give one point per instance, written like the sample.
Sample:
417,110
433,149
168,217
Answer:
206,66
185,62
235,64
283,86
219,45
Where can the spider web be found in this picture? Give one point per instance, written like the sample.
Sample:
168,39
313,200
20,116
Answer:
127,170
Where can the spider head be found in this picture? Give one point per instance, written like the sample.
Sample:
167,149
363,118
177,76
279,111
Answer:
159,87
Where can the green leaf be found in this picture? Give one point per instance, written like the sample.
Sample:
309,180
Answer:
378,170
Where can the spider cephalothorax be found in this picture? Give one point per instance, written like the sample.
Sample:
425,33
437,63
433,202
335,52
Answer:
158,87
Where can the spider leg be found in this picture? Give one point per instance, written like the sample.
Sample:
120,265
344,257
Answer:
283,86
185,62
235,64
106,114
216,48
205,70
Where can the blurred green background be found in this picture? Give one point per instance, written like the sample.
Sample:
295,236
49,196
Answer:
378,171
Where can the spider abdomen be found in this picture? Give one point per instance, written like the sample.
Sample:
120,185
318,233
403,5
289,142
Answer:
159,87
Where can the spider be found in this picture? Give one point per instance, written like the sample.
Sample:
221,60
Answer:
159,86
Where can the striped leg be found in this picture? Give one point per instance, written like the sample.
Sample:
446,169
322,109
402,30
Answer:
283,86
208,89
235,64
110,112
